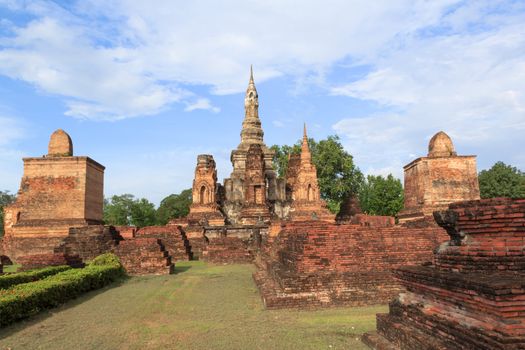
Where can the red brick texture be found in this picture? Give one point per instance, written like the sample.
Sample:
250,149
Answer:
144,256
172,238
29,262
473,297
311,264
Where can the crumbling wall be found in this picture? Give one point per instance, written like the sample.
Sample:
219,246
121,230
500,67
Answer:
323,264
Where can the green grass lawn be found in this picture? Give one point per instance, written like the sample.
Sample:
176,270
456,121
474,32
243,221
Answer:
200,307
11,268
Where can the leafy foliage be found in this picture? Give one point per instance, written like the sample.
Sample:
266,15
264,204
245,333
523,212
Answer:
5,199
381,196
502,180
143,213
336,172
26,299
9,280
126,210
174,206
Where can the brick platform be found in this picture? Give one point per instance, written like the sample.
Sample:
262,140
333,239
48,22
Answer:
88,242
144,256
29,262
172,238
233,244
473,297
313,264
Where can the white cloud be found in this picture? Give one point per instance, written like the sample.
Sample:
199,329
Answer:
469,84
201,103
119,59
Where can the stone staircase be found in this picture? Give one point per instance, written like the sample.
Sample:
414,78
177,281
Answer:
144,256
172,238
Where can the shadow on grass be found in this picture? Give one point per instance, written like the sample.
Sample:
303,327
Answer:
181,269
18,326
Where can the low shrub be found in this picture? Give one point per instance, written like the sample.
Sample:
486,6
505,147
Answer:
105,259
24,300
10,280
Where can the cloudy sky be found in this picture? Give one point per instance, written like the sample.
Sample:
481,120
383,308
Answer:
143,87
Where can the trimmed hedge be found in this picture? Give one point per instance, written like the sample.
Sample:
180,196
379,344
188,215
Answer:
27,299
10,280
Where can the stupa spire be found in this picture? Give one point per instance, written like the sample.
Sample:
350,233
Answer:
251,126
305,150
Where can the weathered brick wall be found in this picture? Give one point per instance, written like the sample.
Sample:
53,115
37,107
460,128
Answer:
474,295
172,238
441,178
88,242
495,237
61,188
56,193
144,256
233,244
29,262
322,264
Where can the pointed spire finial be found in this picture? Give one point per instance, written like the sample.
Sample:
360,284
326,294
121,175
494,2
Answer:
305,136
251,73
305,149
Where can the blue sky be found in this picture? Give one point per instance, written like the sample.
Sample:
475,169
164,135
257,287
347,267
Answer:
144,87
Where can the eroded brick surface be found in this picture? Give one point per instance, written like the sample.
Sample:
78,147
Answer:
144,256
322,264
57,192
435,181
473,297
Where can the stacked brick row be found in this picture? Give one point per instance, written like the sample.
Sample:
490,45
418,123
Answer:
88,242
172,238
474,295
323,264
29,262
227,250
144,256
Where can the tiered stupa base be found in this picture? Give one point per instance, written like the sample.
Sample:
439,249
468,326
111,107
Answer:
473,297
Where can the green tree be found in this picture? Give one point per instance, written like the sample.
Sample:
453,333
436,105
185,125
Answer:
143,213
381,196
5,199
117,210
336,172
502,180
127,210
174,206
280,159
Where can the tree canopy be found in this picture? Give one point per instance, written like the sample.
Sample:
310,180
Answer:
502,180
174,206
381,196
5,199
337,174
127,210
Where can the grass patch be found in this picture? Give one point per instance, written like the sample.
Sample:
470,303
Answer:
200,307
26,299
11,268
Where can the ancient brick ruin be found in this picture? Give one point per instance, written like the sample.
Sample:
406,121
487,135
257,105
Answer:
227,222
58,191
435,181
234,191
312,263
303,188
473,296
57,218
204,210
